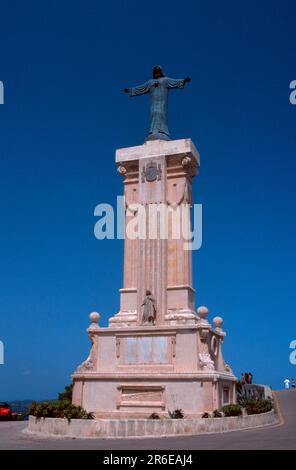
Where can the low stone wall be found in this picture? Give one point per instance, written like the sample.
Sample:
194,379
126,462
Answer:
113,428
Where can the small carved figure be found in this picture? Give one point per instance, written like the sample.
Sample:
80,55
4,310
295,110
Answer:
149,310
206,362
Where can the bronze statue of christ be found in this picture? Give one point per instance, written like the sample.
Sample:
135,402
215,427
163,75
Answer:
158,88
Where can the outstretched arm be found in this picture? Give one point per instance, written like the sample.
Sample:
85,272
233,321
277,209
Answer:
177,82
138,90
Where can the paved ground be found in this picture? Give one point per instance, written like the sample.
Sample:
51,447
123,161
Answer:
282,436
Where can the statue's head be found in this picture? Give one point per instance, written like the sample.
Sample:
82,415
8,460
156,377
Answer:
148,292
157,72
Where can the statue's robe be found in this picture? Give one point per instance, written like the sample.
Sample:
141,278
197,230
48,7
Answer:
158,90
149,310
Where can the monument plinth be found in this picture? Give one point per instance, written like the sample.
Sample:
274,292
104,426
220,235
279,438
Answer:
156,354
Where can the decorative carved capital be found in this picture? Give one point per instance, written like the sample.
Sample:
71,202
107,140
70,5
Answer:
121,170
189,165
186,161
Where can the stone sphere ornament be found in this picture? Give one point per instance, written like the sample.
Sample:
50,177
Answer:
94,317
218,321
202,312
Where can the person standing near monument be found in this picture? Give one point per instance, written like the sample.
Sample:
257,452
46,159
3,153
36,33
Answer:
158,88
293,383
287,384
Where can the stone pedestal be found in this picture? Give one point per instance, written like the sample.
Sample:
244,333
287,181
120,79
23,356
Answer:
155,174
135,369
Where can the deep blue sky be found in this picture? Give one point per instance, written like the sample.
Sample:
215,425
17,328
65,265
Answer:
63,65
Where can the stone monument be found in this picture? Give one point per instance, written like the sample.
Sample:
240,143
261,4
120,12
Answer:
157,354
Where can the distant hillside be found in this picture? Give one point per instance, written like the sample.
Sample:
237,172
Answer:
22,406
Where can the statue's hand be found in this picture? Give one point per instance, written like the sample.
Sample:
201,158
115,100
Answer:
126,90
187,79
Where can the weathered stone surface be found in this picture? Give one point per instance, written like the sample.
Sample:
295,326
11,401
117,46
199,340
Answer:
146,427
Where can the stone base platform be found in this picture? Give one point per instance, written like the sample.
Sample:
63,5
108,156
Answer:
127,428
135,371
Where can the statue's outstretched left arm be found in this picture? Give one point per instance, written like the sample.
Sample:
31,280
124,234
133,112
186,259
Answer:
177,82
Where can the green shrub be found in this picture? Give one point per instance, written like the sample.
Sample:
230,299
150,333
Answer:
58,409
257,405
176,414
232,410
67,393
154,416
239,386
61,408
242,401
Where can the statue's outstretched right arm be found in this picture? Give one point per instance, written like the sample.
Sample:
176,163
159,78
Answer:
138,90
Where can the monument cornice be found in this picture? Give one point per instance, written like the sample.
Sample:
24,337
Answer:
133,329
211,376
156,148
